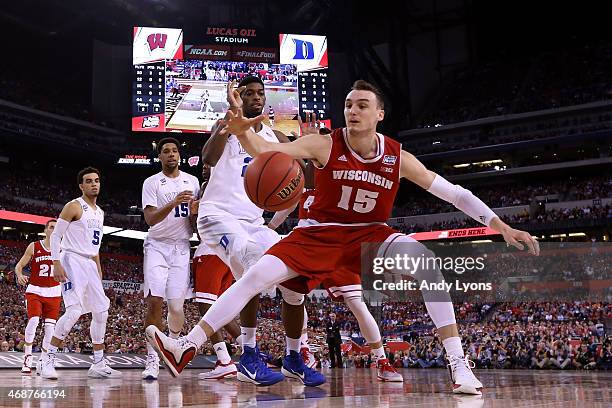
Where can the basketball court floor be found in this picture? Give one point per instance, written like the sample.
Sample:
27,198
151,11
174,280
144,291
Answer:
344,388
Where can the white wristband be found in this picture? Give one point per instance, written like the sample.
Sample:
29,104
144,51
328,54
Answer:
462,199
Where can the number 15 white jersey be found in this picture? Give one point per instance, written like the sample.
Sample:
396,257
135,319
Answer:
225,192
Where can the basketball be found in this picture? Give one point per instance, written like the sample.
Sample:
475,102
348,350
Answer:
274,181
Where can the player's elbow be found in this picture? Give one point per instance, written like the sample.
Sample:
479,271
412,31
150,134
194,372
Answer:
209,158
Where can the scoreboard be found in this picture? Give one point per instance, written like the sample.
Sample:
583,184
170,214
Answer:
181,88
313,92
148,93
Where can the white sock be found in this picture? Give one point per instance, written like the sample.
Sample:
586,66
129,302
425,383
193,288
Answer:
304,341
98,356
452,345
292,345
52,349
28,350
379,353
249,336
238,340
222,353
197,336
151,350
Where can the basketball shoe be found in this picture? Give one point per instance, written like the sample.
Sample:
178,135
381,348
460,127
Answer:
102,370
308,357
26,368
464,380
48,367
294,367
176,353
151,371
386,372
252,369
220,371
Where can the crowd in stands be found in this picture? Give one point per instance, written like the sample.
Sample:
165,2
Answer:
232,70
549,216
551,80
553,335
503,195
51,196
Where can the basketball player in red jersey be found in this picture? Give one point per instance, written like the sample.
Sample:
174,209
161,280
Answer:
212,277
43,294
357,178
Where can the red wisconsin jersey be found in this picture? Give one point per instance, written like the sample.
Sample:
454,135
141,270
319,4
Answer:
305,202
351,189
41,267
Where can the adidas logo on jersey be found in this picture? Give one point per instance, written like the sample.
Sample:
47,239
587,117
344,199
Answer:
342,158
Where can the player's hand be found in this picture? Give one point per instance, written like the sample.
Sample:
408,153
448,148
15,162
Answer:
309,127
193,206
516,237
233,95
22,279
237,124
59,274
183,197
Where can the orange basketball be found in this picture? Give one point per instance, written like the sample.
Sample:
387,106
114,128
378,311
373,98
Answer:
274,181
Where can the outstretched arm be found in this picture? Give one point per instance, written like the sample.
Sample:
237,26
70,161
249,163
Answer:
313,146
463,199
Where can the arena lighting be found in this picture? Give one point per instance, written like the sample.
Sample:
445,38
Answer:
482,163
140,235
576,234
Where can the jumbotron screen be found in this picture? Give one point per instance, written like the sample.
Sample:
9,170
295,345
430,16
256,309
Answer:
183,88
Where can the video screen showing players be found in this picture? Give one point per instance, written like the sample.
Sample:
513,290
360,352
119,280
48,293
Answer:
196,93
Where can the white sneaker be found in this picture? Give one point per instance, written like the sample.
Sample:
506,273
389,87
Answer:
102,370
464,380
220,371
151,371
26,368
39,365
48,367
175,353
386,372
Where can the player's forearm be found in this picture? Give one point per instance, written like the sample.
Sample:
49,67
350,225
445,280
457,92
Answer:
214,146
154,216
280,217
498,225
463,200
254,144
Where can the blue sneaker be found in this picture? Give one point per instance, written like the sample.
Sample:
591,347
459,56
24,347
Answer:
252,369
294,367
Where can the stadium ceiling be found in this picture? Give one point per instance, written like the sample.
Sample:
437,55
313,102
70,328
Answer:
343,19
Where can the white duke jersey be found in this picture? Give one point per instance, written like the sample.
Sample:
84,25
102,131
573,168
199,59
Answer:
84,235
225,192
203,250
157,191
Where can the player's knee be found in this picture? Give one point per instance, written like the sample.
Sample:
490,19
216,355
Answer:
100,317
73,313
291,297
98,326
33,322
175,306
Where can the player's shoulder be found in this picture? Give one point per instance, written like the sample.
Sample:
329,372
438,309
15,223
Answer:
154,178
191,178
